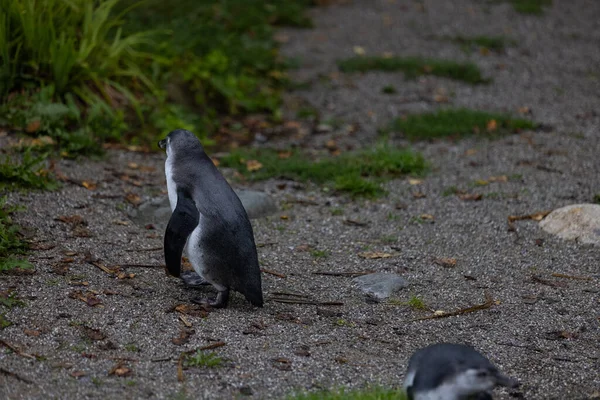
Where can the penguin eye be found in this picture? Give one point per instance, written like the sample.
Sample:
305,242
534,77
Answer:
482,374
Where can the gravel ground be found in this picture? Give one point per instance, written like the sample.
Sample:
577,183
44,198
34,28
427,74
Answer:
541,329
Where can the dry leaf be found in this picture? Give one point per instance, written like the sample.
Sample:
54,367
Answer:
501,178
31,332
253,165
33,126
524,110
77,374
121,222
492,125
428,217
412,181
374,255
282,155
359,51
215,161
71,219
193,310
133,199
88,185
120,370
387,54
93,334
446,262
184,337
470,196
284,217
419,195
133,165
470,152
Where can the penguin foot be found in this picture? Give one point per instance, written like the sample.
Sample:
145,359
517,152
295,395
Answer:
191,278
219,302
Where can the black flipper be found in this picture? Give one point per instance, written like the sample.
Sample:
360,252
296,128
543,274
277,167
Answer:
219,302
183,221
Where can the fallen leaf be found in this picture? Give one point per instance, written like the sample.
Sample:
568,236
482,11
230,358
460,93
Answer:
374,255
33,126
446,262
283,217
120,370
193,310
74,220
500,178
491,125
133,199
387,54
31,332
89,185
427,217
470,152
121,222
93,334
184,337
524,110
413,181
282,155
253,165
133,165
470,196
359,51
77,374
419,195
538,216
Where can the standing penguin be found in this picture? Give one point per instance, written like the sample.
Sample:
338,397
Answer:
447,371
211,218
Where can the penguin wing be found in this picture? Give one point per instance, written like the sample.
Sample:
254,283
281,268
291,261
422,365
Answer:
183,221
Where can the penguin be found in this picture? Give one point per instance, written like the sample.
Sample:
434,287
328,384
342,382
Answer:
210,218
447,371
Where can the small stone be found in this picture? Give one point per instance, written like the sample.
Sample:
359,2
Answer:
379,286
579,222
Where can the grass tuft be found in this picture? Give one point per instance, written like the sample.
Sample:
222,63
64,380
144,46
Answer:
413,67
376,393
534,7
494,43
11,244
203,359
357,173
457,122
26,173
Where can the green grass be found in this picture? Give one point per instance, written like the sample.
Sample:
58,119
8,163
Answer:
494,43
4,323
416,303
87,72
12,246
319,253
388,89
413,67
10,300
25,172
535,7
596,198
356,173
457,122
203,360
377,393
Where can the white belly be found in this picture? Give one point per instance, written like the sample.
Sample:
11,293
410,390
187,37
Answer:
195,256
171,187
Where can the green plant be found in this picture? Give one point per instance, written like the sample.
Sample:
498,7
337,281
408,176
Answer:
535,7
450,190
413,67
416,303
374,393
596,198
131,347
494,43
337,211
457,122
319,253
203,359
26,172
9,299
4,323
389,89
358,173
11,243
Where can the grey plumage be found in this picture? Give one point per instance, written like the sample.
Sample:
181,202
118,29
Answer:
211,218
448,371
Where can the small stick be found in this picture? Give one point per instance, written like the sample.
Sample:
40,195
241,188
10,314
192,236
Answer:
488,303
184,320
180,376
579,278
277,274
290,294
149,249
212,346
16,350
141,266
347,274
14,375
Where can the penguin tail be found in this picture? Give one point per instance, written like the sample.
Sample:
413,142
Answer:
254,296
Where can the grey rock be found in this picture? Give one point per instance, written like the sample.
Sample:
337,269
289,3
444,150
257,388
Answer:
158,211
380,286
579,222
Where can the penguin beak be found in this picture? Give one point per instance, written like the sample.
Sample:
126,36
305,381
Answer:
162,144
503,380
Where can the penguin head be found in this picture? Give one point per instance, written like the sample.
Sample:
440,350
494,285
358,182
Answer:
180,140
479,380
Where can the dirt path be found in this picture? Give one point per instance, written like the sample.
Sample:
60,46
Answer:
80,322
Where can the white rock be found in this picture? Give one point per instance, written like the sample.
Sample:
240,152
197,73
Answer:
579,222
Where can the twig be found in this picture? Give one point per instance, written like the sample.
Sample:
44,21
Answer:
212,346
101,266
14,375
123,359
548,282
348,274
489,301
184,320
16,350
302,301
289,294
149,249
579,278
161,359
141,266
277,274
180,376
